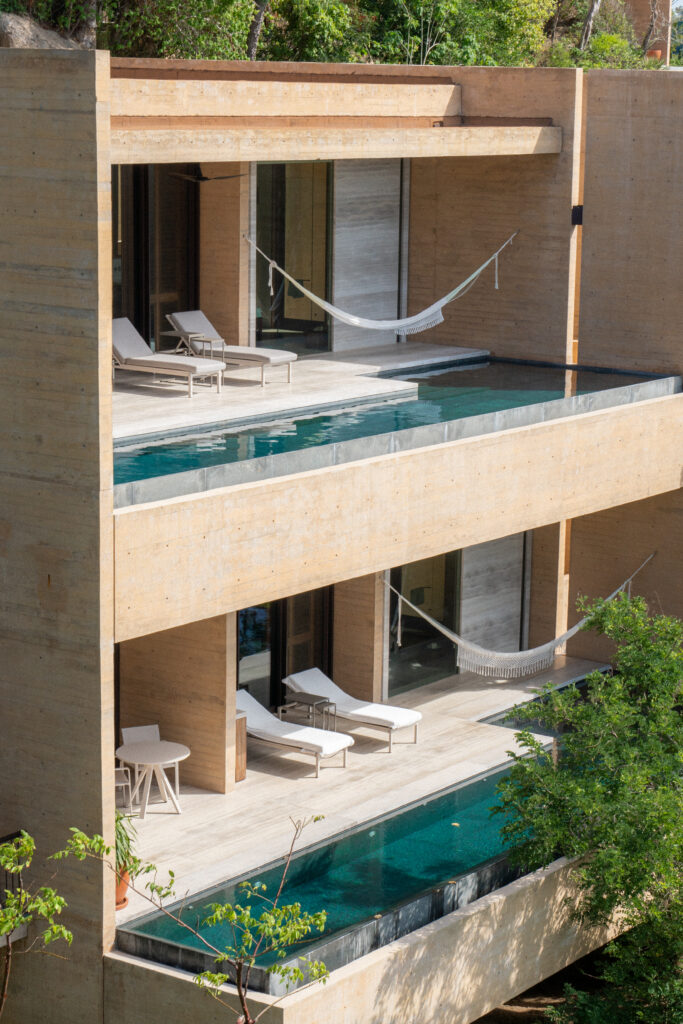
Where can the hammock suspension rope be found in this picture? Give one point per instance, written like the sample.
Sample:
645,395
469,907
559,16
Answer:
504,664
429,317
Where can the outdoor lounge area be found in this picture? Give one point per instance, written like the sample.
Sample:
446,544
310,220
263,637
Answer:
142,407
454,745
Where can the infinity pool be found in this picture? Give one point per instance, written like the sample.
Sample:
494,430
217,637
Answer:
442,396
368,871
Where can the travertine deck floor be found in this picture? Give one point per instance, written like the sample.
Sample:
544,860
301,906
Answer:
142,406
217,837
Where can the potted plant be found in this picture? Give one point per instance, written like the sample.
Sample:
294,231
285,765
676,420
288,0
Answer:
125,835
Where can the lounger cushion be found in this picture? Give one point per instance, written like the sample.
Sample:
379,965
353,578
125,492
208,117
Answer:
131,349
161,361
127,342
247,354
193,321
312,680
265,726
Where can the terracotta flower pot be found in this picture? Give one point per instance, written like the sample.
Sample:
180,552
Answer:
121,890
655,54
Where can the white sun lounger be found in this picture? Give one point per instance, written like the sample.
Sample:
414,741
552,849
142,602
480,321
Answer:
131,352
265,726
379,716
199,335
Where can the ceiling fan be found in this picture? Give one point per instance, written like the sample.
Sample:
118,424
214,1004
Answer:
200,178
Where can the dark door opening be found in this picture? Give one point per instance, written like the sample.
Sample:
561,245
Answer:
279,637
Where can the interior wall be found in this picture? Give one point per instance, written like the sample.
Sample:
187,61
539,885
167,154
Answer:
462,210
358,636
632,221
608,546
184,680
492,578
223,253
365,255
56,507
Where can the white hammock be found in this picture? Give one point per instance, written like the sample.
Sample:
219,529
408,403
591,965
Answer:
429,317
505,664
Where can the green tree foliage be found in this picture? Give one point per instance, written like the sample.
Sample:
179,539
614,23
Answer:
260,926
309,30
21,906
677,37
614,800
189,29
612,43
642,981
65,16
450,31
484,32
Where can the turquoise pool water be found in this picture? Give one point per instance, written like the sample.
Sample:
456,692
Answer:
442,396
368,871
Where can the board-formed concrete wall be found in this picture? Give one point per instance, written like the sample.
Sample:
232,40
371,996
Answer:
491,593
365,247
199,556
632,246
449,972
56,598
223,253
462,210
608,546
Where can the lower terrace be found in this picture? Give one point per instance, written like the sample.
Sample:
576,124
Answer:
218,837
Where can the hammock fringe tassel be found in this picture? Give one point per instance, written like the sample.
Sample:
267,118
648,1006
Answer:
508,664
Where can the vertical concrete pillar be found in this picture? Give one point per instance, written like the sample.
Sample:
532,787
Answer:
358,645
549,584
223,253
184,679
56,515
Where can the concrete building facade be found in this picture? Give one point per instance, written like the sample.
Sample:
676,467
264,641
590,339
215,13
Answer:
121,606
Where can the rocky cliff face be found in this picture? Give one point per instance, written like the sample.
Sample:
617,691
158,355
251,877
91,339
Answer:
19,30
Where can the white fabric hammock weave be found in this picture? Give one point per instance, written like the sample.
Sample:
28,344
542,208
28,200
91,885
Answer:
505,664
429,317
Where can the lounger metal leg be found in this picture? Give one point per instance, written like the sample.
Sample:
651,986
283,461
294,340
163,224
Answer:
415,733
346,750
391,740
263,375
289,373
189,387
219,382
317,766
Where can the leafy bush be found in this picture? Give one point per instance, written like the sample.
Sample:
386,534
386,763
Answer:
612,51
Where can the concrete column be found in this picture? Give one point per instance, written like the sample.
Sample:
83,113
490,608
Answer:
358,644
548,610
56,522
223,253
184,679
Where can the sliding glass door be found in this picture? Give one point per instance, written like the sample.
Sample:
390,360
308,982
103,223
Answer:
280,637
418,653
292,214
155,236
